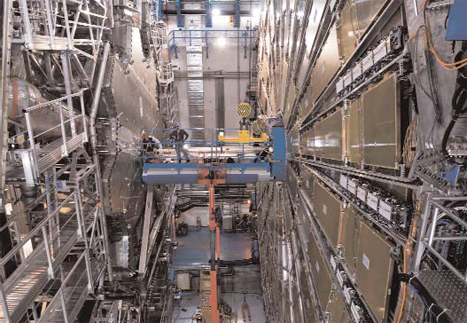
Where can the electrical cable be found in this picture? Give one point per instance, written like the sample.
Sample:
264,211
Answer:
410,143
458,102
434,308
449,66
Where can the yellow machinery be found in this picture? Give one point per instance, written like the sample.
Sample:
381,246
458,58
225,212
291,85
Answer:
244,110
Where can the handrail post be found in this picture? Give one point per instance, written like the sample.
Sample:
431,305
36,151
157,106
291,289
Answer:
62,126
82,229
32,142
50,269
83,117
64,311
6,313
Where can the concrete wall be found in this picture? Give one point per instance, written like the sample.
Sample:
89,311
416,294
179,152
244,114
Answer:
217,58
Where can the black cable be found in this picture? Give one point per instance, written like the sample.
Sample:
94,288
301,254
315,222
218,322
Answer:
434,309
459,99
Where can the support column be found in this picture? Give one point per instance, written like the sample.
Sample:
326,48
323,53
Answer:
215,249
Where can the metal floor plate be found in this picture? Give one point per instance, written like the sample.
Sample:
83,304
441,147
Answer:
449,291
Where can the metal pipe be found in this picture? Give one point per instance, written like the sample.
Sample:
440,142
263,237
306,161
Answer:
95,156
203,12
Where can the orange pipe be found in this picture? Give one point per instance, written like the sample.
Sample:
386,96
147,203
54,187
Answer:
218,243
212,222
213,300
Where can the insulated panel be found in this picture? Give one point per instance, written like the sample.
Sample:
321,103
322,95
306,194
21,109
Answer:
327,208
366,12
308,308
321,276
380,106
328,137
315,17
350,237
307,102
307,181
336,309
347,31
293,141
352,132
327,64
292,181
307,142
374,270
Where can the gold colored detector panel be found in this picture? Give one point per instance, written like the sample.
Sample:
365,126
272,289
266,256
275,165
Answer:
327,64
352,132
374,271
328,137
307,143
382,125
347,31
327,208
366,12
350,237
320,272
336,309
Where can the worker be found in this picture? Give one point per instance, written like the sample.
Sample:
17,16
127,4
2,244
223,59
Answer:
152,144
179,136
258,127
245,309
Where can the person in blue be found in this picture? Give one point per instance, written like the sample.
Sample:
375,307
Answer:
179,136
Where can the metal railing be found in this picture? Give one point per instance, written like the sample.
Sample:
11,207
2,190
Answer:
442,211
73,130
203,151
72,221
190,36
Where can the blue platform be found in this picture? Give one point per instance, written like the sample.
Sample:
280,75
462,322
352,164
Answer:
247,169
188,173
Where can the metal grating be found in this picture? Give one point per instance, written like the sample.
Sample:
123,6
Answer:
448,290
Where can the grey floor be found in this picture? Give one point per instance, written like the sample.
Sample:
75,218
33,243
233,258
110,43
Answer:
193,252
193,249
186,307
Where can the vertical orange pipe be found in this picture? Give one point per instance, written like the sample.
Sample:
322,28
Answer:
213,300
213,274
218,243
212,222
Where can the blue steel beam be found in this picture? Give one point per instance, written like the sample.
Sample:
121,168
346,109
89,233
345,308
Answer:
237,14
180,21
208,14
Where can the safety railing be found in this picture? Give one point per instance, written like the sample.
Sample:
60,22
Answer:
442,213
71,128
74,288
72,223
48,24
165,73
45,236
188,37
203,151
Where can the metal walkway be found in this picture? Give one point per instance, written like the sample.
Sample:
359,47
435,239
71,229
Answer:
22,287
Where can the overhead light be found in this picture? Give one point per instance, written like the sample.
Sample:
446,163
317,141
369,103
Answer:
216,12
221,41
256,12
